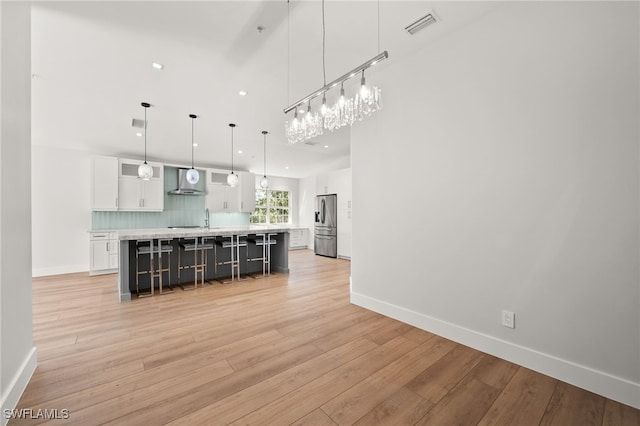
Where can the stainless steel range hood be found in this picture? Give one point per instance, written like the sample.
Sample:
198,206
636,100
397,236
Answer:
184,187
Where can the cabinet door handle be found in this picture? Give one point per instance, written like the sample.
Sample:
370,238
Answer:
116,202
108,246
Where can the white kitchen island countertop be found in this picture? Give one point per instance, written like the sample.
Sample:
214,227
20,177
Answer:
150,233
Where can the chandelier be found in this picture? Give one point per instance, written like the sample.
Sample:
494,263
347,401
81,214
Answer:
344,112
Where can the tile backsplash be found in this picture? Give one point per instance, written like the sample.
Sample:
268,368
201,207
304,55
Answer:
179,210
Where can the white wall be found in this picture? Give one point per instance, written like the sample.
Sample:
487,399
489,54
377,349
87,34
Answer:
61,215
307,206
17,354
342,183
517,142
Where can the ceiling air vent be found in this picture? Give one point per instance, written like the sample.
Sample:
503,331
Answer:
136,122
422,23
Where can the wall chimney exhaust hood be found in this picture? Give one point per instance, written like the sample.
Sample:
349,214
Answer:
184,187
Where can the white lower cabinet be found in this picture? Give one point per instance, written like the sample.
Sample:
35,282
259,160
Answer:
104,250
298,239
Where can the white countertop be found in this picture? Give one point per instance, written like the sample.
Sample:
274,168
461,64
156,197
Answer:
149,233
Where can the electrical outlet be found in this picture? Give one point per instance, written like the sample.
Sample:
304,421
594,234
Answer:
509,319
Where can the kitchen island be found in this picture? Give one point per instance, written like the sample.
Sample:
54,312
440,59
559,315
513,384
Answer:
128,239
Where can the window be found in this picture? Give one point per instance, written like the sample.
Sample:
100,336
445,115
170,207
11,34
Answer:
271,207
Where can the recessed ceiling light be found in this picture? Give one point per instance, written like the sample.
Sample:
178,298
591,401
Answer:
157,65
326,146
286,167
239,151
139,134
195,144
242,93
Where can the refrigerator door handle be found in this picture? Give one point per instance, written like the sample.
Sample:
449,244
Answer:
323,210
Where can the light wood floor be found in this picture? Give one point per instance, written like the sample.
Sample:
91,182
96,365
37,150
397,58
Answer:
288,349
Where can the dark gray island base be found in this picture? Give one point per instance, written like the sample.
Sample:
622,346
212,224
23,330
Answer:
217,254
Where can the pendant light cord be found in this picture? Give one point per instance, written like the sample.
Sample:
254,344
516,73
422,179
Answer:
192,142
288,53
378,26
145,135
324,71
232,149
265,153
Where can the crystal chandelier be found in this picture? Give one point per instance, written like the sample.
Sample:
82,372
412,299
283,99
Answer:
344,112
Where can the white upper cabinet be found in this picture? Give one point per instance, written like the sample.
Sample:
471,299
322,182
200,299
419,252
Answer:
247,192
135,194
224,198
104,183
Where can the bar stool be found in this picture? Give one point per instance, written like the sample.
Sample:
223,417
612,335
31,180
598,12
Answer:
164,246
199,246
154,249
144,247
233,243
265,241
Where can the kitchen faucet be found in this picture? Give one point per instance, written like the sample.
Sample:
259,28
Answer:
206,217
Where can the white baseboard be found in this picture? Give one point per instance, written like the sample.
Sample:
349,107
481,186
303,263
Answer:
59,270
18,384
612,387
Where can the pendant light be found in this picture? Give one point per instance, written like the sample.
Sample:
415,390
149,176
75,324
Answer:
192,174
145,171
232,178
264,182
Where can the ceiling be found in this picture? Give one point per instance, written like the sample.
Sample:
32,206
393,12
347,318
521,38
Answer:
91,69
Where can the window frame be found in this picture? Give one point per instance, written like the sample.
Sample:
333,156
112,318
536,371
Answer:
269,207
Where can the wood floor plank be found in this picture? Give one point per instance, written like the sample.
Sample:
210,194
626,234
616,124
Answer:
315,393
617,414
131,400
401,408
271,351
315,418
570,405
253,397
494,371
388,332
43,390
466,404
523,401
436,381
361,398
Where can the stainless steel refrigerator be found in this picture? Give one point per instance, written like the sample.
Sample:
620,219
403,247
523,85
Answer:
326,226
